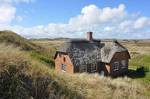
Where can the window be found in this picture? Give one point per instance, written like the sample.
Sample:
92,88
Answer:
116,66
83,68
124,63
64,59
93,68
63,67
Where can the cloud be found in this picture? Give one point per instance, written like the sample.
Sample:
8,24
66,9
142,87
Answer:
93,15
141,22
8,11
104,22
7,14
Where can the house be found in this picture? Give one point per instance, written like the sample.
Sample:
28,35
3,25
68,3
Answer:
92,56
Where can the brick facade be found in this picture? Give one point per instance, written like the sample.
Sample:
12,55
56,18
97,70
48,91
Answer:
63,59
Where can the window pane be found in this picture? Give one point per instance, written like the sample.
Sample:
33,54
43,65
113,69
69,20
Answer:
93,68
116,66
63,67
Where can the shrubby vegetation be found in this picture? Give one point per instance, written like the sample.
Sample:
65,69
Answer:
22,77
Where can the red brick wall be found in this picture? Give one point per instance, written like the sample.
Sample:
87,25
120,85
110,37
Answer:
60,60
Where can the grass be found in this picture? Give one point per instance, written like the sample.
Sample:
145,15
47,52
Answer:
10,37
141,61
36,51
92,86
140,58
22,77
43,58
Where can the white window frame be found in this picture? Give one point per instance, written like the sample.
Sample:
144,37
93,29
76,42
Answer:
124,63
116,66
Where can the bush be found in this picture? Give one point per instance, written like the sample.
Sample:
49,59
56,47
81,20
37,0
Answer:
21,77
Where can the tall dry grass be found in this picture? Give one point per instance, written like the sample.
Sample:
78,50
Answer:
92,86
22,77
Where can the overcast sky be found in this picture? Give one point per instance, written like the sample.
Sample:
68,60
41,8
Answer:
120,19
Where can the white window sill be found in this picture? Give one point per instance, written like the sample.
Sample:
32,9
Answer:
63,70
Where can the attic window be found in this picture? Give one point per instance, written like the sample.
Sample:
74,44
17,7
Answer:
115,66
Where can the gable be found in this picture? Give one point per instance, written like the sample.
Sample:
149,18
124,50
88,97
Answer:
63,63
121,56
110,49
58,53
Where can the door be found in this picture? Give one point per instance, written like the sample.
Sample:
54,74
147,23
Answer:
101,69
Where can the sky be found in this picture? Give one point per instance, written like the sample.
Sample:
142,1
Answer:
112,19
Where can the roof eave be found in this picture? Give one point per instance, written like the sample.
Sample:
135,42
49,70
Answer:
59,52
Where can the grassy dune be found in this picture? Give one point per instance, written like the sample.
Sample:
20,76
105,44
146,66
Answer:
23,77
29,74
10,37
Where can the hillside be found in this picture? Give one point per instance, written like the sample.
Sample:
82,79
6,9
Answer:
10,37
26,73
36,51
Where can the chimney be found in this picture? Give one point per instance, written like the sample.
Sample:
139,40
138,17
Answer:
89,36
